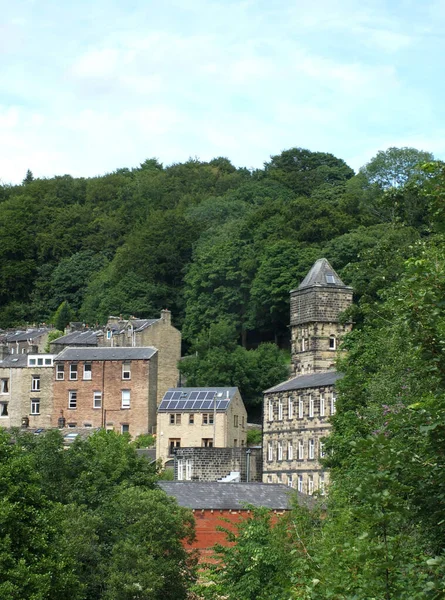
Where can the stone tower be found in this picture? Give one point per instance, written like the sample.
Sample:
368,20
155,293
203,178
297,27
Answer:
315,307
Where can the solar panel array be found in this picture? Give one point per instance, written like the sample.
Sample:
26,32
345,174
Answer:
192,401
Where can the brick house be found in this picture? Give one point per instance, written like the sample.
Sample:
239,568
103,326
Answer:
26,382
296,412
113,388
200,417
134,333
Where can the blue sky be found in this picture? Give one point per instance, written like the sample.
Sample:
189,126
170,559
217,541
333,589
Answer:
89,87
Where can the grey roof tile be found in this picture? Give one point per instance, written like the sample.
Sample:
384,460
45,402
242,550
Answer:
228,496
87,337
321,274
307,381
29,334
14,361
121,353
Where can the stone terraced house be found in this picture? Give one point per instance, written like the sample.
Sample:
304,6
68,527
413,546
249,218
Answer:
296,412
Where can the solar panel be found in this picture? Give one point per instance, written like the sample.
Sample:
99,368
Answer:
163,405
176,395
202,395
197,404
193,395
172,404
207,404
222,405
168,396
210,395
182,404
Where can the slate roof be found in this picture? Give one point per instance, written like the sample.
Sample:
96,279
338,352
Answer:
29,334
87,337
307,381
17,361
228,496
322,274
121,353
138,325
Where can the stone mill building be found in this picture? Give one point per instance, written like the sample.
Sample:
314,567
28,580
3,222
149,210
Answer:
296,412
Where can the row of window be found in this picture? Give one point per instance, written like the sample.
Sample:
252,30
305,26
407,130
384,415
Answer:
174,443
285,451
207,419
87,371
299,409
97,399
304,484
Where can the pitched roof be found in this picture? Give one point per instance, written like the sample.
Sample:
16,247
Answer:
228,496
121,353
14,361
88,337
321,274
307,381
186,399
29,334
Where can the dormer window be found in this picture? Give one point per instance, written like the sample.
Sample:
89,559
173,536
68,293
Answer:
330,279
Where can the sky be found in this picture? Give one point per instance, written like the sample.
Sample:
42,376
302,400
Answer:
87,87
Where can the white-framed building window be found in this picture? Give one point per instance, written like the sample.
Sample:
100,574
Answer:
290,451
321,449
270,409
188,469
72,399
310,484
290,408
269,479
311,406
126,370
300,450
332,342
48,362
269,451
35,406
4,409
322,406
35,383
97,399
289,481
87,374
321,484
4,389
73,372
207,418
280,451
40,362
300,483
175,418
333,403
311,449
125,399
180,468
60,372
280,409
300,407
125,428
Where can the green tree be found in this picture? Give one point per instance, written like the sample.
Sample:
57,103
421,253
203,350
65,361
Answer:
395,167
63,316
29,177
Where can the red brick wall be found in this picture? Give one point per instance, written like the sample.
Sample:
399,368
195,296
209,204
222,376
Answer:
106,378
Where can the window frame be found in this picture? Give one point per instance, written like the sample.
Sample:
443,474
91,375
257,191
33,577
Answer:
322,406
235,420
4,405
60,370
311,449
333,403
280,409
73,371
290,451
270,409
311,406
279,450
126,370
270,452
300,450
290,408
34,408
87,371
300,407
97,395
72,399
35,383
125,399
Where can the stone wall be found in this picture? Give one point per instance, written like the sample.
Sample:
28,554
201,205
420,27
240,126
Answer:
318,303
211,464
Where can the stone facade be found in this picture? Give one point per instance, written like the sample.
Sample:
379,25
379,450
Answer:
26,390
28,341
106,388
296,413
211,464
204,427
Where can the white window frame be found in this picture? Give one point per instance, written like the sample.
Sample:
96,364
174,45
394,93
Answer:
300,407
60,372
188,469
72,399
35,383
321,484
290,451
280,409
35,406
279,451
322,406
290,408
311,453
300,483
126,399
270,409
126,371
333,403
97,399
73,371
332,342
310,485
87,372
321,451
300,450
311,406
270,452
125,425
180,468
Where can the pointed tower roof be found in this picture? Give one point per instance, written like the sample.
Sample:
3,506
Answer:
321,273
